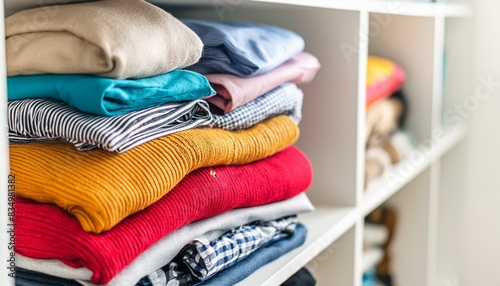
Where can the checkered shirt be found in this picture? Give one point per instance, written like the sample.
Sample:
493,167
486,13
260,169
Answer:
284,99
205,259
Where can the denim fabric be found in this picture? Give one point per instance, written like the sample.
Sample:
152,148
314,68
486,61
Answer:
242,48
31,278
301,278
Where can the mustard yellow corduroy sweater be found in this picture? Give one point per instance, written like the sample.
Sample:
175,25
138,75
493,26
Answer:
100,188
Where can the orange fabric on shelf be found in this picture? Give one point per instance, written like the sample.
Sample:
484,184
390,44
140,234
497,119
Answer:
101,188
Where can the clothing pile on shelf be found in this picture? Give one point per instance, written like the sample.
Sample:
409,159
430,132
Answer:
378,232
153,151
385,140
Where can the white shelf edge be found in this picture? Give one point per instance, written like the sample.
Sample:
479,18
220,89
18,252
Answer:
386,7
375,6
325,225
384,187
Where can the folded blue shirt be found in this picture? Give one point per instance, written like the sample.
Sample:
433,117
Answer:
242,48
107,96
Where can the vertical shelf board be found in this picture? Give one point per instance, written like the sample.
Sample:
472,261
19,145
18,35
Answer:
435,167
450,216
335,265
4,161
433,221
447,210
358,252
438,68
409,41
329,129
457,73
408,250
364,22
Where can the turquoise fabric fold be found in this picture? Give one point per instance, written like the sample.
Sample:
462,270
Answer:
109,97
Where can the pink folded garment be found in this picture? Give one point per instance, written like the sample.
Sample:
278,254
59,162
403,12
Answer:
234,91
45,231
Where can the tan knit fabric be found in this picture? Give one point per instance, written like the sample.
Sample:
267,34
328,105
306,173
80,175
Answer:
100,188
111,38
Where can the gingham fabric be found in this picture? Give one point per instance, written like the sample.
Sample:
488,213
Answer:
284,99
205,259
48,119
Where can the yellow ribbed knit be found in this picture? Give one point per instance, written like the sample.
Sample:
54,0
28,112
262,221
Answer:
100,188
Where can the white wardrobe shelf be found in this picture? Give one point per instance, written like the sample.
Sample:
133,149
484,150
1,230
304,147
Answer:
392,7
327,224
393,180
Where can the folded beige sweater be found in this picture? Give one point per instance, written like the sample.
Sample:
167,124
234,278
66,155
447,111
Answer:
110,38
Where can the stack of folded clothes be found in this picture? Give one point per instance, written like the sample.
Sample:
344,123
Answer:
386,107
153,151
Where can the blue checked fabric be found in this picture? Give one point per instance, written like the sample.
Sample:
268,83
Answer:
242,48
205,259
48,119
284,99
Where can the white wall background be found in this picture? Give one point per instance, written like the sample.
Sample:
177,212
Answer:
480,257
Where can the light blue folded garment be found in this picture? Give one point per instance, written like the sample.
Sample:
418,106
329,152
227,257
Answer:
108,97
242,48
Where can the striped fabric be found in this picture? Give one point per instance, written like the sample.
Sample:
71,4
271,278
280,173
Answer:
206,259
241,48
47,119
285,99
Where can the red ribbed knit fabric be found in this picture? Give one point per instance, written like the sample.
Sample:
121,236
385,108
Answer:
46,231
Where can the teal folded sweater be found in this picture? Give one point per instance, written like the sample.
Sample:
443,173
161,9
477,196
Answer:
108,97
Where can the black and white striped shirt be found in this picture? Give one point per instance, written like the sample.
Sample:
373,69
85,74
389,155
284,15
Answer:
48,119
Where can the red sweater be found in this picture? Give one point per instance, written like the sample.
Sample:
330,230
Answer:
46,231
